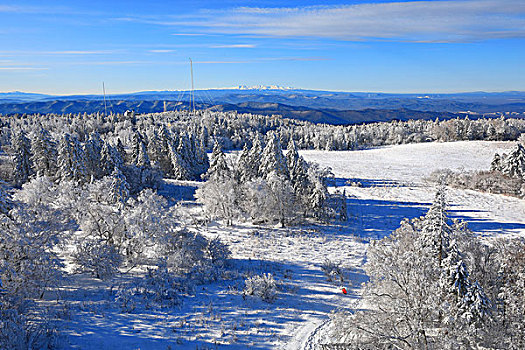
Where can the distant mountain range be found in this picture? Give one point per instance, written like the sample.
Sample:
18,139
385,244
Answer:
315,106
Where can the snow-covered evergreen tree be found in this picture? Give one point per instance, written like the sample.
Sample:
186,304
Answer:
44,153
22,169
495,165
92,149
139,154
179,166
272,158
242,165
158,149
436,230
121,151
298,169
6,202
71,160
109,159
201,163
513,164
219,167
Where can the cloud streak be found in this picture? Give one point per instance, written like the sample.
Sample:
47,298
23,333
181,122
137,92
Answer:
171,63
234,46
21,68
415,21
59,53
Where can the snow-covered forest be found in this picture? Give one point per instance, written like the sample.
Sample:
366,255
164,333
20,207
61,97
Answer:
214,230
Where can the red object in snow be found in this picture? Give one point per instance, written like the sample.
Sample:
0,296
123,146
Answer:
344,290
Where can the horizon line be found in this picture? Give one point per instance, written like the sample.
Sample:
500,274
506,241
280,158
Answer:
262,88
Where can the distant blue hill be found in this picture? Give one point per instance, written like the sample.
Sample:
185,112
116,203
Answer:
316,106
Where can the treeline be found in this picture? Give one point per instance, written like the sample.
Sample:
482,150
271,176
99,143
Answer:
141,155
233,130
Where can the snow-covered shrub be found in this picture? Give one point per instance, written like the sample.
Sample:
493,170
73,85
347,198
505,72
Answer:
440,176
159,286
486,181
18,332
262,286
98,258
162,285
332,270
99,215
220,199
28,266
184,251
149,223
217,252
126,298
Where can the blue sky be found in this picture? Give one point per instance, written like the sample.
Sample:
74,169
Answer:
69,47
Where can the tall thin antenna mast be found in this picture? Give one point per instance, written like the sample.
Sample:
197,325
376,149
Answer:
192,96
105,106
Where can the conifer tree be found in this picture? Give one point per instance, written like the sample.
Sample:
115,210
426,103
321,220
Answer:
495,165
139,154
241,167
201,160
254,159
120,186
21,158
71,160
179,167
436,230
44,153
121,151
272,159
92,148
109,159
6,202
219,168
158,149
298,169
141,160
513,165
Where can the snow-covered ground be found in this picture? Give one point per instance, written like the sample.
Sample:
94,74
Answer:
219,316
394,185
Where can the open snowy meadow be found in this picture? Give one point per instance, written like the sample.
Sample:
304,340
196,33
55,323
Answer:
383,186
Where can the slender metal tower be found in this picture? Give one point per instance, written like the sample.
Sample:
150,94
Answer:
105,106
192,95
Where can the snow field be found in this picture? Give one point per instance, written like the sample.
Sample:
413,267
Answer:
218,315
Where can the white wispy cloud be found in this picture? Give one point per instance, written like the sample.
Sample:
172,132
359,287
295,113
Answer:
188,34
58,53
161,51
80,52
12,68
185,62
46,9
415,21
234,46
20,9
